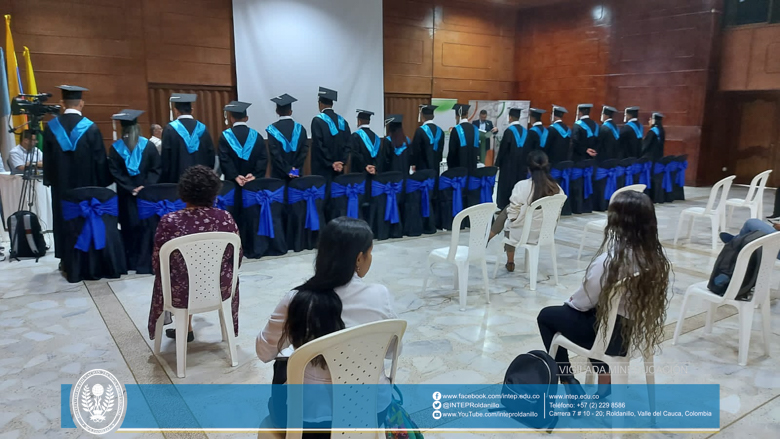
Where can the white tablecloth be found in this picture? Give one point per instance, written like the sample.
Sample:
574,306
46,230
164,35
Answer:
11,191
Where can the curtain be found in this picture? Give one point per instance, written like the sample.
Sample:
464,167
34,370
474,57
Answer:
207,109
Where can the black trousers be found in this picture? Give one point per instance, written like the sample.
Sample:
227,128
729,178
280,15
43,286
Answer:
580,328
776,209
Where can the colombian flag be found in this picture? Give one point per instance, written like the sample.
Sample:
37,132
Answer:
14,80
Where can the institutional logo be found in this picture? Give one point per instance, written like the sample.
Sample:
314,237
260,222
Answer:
98,402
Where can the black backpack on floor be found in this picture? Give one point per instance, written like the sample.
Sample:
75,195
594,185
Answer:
726,262
536,368
27,241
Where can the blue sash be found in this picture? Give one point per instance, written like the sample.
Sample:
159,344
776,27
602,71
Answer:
543,133
680,178
148,209
563,176
400,150
191,140
586,174
373,149
132,159
225,201
243,152
456,184
264,198
645,175
93,230
667,170
588,131
391,190
68,143
656,131
519,139
559,128
462,136
311,195
287,145
331,125
631,171
433,139
611,174
425,187
485,185
351,191
612,128
637,127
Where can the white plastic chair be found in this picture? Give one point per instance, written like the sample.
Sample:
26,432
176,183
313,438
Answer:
354,356
202,253
716,213
754,199
551,212
480,217
770,245
600,224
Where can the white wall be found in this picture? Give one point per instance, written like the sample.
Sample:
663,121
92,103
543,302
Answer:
295,46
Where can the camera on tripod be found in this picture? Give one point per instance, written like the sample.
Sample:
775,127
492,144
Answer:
33,105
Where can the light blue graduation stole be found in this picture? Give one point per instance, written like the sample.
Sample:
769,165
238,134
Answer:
243,152
559,128
68,143
400,149
191,140
331,125
612,128
287,145
519,139
462,136
373,148
637,127
588,131
433,139
543,133
656,131
132,158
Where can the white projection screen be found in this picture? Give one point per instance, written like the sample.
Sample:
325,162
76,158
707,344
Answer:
295,46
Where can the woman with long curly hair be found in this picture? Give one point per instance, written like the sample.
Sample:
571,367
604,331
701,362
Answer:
631,260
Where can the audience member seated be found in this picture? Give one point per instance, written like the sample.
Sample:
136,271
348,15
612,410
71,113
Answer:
511,220
335,298
198,188
632,253
752,225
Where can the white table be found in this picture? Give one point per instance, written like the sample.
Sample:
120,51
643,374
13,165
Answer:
11,191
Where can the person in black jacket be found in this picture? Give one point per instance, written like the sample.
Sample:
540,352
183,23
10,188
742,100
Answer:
286,141
330,138
558,147
653,144
428,142
186,142
464,141
242,153
609,136
631,134
367,148
584,135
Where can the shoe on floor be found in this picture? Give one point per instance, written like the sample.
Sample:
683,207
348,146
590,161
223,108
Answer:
726,237
171,333
774,217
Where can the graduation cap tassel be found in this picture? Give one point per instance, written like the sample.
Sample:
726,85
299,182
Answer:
419,115
113,125
224,113
170,110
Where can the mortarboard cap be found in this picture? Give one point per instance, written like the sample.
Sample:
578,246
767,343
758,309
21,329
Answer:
515,112
328,95
581,106
237,107
609,111
364,114
283,100
558,110
634,111
394,118
427,110
126,118
658,115
71,91
461,110
536,112
177,98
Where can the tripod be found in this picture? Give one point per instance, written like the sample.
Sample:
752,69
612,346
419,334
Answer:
31,174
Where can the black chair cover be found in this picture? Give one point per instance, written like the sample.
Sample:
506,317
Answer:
451,183
384,215
305,212
582,186
262,219
663,179
93,246
629,168
561,172
480,186
153,202
605,180
227,199
347,195
678,193
419,192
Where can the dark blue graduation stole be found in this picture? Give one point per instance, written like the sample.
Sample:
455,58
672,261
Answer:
400,150
462,136
69,142
331,125
191,140
519,139
543,133
372,147
132,158
245,150
433,139
588,131
656,131
287,145
612,128
637,127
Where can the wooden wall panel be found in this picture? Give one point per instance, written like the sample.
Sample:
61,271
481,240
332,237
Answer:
764,71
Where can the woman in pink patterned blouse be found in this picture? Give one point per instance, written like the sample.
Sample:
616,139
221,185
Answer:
198,187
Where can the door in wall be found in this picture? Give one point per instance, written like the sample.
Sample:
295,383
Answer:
757,149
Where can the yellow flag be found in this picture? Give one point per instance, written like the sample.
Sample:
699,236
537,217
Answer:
31,87
14,81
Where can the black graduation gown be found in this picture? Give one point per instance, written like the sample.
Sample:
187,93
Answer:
361,156
149,174
558,148
608,147
630,145
466,156
87,165
423,154
327,149
396,160
512,162
282,162
175,157
580,142
653,144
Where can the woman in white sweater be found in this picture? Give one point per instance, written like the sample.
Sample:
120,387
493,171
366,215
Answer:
511,220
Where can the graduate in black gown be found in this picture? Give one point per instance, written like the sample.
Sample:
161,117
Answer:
538,133
330,138
134,163
397,146
558,147
631,134
609,136
286,141
653,144
367,149
464,141
428,142
584,135
75,156
185,142
516,143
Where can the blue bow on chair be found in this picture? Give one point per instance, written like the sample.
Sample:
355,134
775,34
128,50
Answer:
611,174
586,174
485,185
148,209
92,211
264,199
225,201
311,195
456,184
631,171
391,190
645,175
425,187
564,177
351,191
667,171
680,178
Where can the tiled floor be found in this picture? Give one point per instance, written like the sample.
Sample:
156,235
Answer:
53,331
